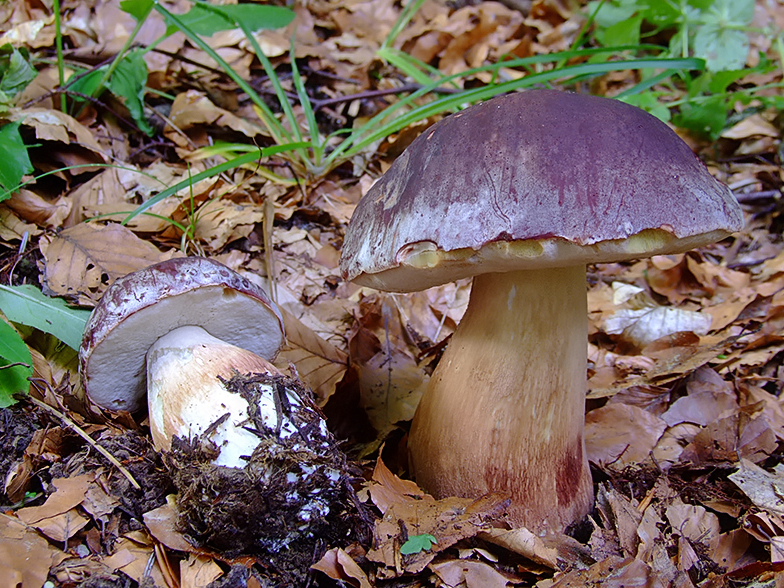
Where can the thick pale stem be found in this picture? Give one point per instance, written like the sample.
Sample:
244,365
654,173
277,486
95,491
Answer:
504,411
185,397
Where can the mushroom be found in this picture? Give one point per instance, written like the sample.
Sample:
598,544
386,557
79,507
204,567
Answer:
522,192
256,469
174,328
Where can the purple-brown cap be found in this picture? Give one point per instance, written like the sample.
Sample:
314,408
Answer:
531,180
141,307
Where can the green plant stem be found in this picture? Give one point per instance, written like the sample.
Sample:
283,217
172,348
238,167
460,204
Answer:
118,58
402,21
213,171
58,39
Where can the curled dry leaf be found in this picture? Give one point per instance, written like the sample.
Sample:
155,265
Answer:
459,573
408,511
645,321
338,565
58,518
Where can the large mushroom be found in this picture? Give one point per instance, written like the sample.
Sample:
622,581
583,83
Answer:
522,192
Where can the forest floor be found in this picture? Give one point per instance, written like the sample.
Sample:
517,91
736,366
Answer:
684,423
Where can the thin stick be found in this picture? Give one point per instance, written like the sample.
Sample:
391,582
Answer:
114,461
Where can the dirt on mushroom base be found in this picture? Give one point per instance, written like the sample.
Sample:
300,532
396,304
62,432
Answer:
292,501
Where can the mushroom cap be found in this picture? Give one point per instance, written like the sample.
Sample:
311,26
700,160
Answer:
139,308
532,180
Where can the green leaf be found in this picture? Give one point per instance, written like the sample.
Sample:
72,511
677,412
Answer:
87,84
29,306
128,82
612,12
206,19
721,48
626,32
16,72
705,117
138,9
649,101
14,160
13,379
417,544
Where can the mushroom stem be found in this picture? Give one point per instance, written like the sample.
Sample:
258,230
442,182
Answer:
504,410
185,397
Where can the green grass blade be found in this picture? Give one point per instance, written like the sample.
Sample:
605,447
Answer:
213,171
455,100
402,21
279,133
307,107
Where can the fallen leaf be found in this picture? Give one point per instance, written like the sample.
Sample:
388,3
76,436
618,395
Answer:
338,565
764,489
82,261
617,435
25,556
319,363
198,571
458,573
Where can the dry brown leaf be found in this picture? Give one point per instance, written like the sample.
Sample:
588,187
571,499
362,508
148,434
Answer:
617,435
319,364
408,511
82,261
763,488
338,565
53,125
390,489
199,571
709,398
69,494
12,228
161,522
753,125
723,441
694,523
221,221
461,573
193,108
58,518
617,512
25,556
553,550
132,555
31,207
613,572
730,548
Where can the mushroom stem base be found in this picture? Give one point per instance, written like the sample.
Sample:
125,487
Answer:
504,410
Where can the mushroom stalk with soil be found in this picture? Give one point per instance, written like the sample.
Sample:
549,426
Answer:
520,193
256,469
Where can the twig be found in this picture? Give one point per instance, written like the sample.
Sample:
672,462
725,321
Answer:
114,461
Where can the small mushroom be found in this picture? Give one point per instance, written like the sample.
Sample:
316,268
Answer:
522,192
167,333
138,309
256,469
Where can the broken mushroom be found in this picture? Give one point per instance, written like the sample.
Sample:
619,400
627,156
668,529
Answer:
522,192
255,466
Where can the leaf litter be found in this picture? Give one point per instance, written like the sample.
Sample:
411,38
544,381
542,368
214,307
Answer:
684,419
